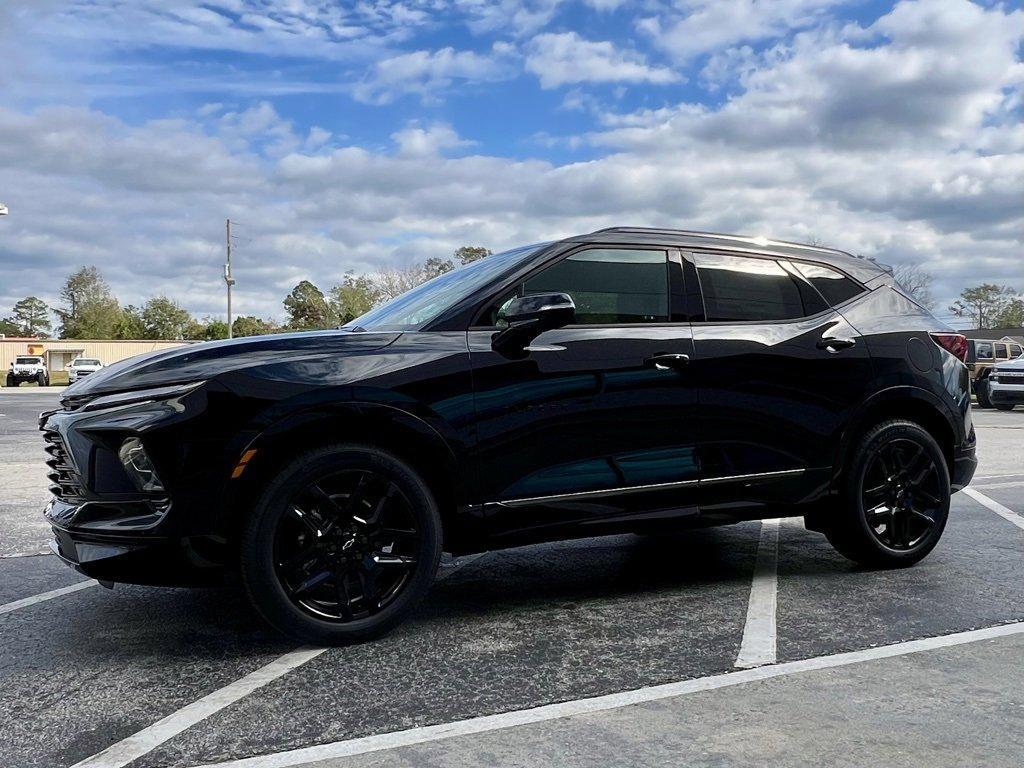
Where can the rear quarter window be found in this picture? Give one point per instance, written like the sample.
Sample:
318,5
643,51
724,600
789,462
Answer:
834,286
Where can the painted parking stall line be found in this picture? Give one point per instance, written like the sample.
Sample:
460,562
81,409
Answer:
42,597
1004,512
488,723
145,741
758,646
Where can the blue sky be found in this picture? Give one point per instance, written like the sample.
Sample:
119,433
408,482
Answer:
361,135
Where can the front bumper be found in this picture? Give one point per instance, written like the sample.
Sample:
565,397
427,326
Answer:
104,524
131,559
1006,394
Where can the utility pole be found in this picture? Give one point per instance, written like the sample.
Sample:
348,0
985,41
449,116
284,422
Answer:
227,275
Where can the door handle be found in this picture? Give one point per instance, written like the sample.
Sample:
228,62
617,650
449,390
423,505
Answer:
834,345
672,361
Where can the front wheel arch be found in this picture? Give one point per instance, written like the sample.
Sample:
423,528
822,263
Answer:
381,427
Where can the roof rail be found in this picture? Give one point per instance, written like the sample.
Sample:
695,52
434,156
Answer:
723,236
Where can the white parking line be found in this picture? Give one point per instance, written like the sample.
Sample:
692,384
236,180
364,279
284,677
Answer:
1004,512
148,739
549,712
758,645
44,596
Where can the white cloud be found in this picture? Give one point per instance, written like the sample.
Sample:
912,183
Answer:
900,139
426,73
560,58
415,141
689,28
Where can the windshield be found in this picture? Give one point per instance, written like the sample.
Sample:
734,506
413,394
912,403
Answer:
86,361
415,308
28,361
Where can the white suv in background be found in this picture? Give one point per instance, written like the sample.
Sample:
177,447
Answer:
82,366
1006,384
28,368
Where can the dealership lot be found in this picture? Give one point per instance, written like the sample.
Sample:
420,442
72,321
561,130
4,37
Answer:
181,678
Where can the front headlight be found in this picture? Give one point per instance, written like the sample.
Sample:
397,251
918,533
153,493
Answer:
140,396
138,466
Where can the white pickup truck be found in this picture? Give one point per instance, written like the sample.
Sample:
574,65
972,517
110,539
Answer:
82,366
28,368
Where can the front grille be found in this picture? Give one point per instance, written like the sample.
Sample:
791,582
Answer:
64,481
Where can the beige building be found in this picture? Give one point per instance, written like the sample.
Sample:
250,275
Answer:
58,353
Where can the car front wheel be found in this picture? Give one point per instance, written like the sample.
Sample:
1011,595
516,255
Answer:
981,389
896,500
343,544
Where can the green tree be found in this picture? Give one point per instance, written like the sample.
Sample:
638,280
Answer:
983,304
248,325
32,317
356,295
1011,316
435,266
89,309
130,324
8,328
208,329
469,253
165,319
308,309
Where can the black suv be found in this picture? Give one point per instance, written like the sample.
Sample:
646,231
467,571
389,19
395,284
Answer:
626,380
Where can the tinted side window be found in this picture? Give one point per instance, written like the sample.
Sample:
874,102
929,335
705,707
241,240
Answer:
610,285
983,350
835,287
740,288
1001,352
1015,351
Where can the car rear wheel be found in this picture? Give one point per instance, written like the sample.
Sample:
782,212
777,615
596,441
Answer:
896,497
1004,406
344,543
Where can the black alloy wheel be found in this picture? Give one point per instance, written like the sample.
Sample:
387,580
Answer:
902,494
346,545
342,545
896,497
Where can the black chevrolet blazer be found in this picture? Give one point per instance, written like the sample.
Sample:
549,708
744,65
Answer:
625,380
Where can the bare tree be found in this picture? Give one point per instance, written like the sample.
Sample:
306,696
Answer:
394,281
917,281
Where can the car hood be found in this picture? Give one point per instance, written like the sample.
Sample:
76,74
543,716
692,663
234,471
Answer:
1012,365
206,360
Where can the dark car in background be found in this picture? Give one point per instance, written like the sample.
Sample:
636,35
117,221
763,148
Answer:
628,380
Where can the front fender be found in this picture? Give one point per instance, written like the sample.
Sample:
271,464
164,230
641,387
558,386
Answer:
286,429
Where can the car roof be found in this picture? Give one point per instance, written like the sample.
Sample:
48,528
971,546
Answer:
859,267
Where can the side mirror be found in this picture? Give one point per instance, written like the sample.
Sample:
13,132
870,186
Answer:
548,310
530,316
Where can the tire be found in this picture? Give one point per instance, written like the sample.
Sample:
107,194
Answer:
11,382
984,401
305,495
880,525
41,379
1004,406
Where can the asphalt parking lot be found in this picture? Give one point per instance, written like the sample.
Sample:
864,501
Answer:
745,645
